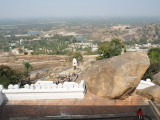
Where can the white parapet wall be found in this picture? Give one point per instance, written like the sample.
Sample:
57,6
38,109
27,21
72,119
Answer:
45,90
1,97
144,84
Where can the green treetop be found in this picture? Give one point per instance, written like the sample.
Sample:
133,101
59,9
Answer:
109,49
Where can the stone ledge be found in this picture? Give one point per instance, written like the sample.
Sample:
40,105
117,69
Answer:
155,109
85,117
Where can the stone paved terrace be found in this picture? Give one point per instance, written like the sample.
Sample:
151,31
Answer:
91,106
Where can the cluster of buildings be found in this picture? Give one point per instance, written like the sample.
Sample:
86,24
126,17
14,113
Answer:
82,46
143,47
120,27
4,53
17,51
67,33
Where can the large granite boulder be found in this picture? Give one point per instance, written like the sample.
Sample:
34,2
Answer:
156,78
152,93
116,77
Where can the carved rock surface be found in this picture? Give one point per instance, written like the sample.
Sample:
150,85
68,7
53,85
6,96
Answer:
156,78
152,93
116,77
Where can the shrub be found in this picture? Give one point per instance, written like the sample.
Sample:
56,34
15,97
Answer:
25,53
154,56
76,55
9,76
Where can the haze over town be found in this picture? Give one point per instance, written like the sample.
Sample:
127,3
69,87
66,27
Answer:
78,8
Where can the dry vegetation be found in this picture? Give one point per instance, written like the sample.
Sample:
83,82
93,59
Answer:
51,62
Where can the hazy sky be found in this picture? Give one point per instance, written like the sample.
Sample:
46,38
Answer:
78,8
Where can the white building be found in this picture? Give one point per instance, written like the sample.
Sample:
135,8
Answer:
15,51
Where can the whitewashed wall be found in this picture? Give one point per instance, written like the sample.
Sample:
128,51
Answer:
144,84
1,95
1,98
44,90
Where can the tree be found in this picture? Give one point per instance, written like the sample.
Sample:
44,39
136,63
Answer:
154,56
104,50
27,69
76,55
25,53
88,51
109,49
9,76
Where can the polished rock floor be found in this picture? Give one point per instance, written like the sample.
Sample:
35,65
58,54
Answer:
90,107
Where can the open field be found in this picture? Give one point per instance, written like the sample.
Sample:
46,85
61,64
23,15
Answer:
50,62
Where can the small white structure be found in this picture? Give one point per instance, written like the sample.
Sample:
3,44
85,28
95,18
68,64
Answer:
45,90
144,84
74,63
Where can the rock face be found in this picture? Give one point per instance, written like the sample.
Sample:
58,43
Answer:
156,78
37,74
152,93
116,77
